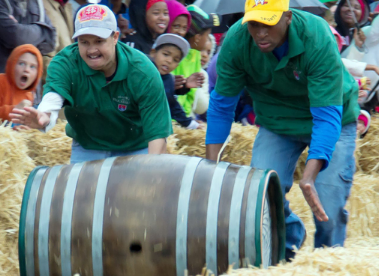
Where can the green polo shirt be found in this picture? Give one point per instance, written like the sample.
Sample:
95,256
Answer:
121,115
310,75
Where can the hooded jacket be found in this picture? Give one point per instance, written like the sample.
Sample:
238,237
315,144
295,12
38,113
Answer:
10,94
176,9
30,25
343,30
143,40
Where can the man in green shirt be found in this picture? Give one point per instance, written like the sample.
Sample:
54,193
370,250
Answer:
113,95
303,96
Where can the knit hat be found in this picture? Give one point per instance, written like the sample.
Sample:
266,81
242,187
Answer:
176,9
202,20
150,3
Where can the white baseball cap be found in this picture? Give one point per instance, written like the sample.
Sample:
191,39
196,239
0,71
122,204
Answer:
174,39
96,20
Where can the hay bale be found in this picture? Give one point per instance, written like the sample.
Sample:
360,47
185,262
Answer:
368,149
238,150
51,148
15,167
357,258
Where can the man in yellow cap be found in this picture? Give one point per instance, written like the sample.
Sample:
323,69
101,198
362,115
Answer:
303,96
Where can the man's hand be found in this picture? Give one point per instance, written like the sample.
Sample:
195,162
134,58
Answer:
123,24
360,38
179,82
23,103
196,80
307,185
30,117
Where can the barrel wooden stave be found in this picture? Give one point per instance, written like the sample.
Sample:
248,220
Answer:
143,204
56,221
142,210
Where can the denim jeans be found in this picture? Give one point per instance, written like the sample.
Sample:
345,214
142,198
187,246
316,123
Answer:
333,185
79,154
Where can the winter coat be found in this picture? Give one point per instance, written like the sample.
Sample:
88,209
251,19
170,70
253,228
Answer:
10,94
371,56
33,26
62,20
143,40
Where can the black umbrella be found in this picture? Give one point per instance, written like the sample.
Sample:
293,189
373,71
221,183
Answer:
235,6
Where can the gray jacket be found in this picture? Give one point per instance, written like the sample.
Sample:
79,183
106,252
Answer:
32,27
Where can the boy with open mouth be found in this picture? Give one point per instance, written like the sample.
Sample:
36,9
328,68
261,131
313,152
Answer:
23,73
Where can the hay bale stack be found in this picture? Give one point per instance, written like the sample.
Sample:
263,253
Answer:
51,148
238,150
358,258
368,149
15,167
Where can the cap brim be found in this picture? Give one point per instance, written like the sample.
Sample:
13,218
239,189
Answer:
270,18
100,32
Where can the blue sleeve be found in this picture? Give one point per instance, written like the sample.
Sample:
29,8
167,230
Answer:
325,133
220,116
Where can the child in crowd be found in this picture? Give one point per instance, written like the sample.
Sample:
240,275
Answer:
180,18
197,36
201,102
166,54
22,75
150,19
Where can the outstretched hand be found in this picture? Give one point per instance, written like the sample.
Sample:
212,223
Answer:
311,196
196,80
30,117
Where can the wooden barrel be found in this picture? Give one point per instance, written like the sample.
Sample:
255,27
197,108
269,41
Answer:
149,215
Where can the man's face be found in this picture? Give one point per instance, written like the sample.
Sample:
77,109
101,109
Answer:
97,52
268,37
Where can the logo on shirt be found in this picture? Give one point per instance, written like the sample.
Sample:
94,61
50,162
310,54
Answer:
296,74
260,2
122,107
92,12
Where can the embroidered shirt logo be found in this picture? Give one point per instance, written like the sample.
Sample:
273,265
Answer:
296,74
92,13
260,2
122,107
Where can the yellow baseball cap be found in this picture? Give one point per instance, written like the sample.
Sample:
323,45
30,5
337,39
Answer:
266,12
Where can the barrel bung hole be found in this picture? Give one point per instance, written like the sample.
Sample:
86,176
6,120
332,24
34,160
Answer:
135,247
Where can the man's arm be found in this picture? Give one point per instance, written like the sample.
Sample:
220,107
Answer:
158,146
153,107
220,117
327,79
224,98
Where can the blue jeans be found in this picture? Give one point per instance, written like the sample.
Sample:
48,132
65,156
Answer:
281,153
79,154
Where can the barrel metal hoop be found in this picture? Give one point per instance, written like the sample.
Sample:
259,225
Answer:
98,217
212,216
44,221
182,215
30,220
68,205
235,216
252,201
